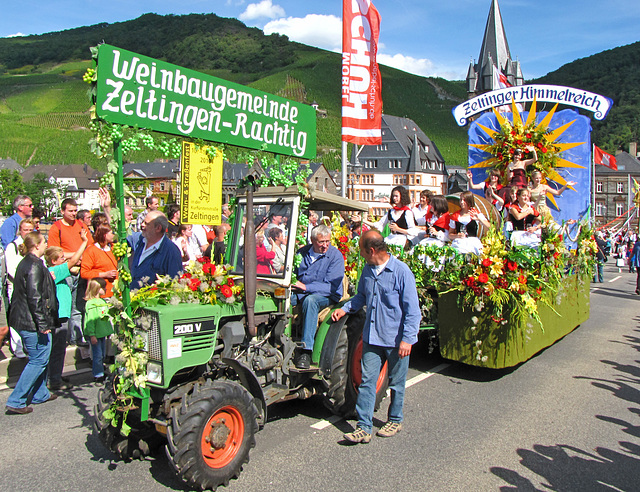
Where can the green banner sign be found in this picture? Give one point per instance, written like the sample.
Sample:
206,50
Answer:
136,90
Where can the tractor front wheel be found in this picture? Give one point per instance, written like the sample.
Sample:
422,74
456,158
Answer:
211,433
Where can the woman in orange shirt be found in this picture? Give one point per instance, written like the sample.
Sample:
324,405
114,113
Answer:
98,260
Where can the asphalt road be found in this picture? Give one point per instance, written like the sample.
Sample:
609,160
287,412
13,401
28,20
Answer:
566,420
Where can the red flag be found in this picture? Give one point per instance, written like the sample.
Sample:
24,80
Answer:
361,82
604,159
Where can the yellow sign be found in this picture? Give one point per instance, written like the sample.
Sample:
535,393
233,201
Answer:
201,186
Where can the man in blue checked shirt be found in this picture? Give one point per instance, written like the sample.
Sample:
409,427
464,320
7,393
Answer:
388,289
319,284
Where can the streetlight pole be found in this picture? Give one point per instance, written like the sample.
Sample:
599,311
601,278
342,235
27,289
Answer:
356,169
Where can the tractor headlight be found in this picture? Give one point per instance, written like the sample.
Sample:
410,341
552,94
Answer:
154,372
141,340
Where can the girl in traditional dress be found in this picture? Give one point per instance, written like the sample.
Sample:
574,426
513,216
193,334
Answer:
399,217
437,222
526,221
464,225
539,190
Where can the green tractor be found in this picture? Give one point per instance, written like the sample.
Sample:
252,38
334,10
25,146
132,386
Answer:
214,370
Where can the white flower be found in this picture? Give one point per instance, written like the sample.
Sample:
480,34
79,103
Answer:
478,343
174,300
479,306
485,358
474,320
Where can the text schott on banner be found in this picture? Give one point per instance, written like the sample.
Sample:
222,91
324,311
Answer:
361,83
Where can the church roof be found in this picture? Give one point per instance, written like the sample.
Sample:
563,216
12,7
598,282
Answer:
495,48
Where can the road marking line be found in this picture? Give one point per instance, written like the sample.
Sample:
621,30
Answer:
425,375
615,278
323,424
595,289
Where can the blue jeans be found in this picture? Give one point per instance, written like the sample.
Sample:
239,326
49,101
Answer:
58,352
599,277
32,385
77,286
373,358
312,304
98,353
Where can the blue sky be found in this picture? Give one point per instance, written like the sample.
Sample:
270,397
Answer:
427,37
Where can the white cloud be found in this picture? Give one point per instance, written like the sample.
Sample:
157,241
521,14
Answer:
263,9
419,66
16,35
325,31
321,31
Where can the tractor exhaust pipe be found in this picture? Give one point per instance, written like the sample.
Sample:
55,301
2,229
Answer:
250,261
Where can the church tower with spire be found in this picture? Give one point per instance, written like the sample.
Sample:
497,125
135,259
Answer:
495,69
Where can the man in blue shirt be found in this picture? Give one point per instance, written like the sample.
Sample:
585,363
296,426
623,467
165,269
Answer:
153,252
388,289
319,284
23,207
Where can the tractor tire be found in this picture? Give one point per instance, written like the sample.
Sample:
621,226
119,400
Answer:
211,433
346,374
143,440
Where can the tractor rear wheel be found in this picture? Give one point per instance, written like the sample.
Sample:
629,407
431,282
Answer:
211,433
346,373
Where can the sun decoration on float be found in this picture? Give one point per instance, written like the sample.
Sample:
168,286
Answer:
520,134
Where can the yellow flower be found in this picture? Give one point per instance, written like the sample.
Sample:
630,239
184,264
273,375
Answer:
496,267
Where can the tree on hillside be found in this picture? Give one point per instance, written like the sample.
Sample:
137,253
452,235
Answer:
10,185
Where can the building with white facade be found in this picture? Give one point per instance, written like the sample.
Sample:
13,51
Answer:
405,157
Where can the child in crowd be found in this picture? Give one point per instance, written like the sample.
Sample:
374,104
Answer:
61,270
97,326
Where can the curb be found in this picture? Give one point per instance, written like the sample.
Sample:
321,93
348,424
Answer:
11,367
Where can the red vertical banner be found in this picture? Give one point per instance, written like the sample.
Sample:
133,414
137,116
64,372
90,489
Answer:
361,83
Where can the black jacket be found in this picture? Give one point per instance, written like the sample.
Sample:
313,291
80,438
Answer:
34,305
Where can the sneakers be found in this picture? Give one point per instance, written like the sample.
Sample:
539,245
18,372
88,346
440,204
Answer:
389,429
18,411
303,361
358,436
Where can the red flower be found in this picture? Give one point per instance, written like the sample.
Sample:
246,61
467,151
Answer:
155,287
522,279
512,265
556,255
343,239
513,132
469,281
539,290
544,150
519,142
539,144
528,135
195,283
230,282
203,259
486,262
483,278
499,155
207,268
186,275
226,291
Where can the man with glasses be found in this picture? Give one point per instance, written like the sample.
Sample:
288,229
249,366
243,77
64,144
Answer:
153,252
23,207
319,284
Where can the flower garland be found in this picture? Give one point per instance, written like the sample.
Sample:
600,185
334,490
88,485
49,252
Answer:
349,247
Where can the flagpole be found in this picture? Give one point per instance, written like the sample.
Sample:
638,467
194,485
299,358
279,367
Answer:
593,184
343,190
